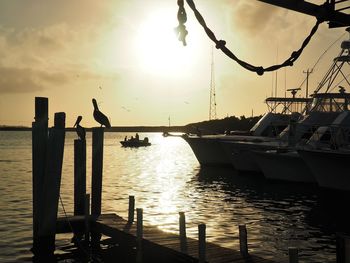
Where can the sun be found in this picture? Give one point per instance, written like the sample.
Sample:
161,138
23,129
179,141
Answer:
157,48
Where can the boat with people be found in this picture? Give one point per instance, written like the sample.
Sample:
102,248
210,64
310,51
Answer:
135,141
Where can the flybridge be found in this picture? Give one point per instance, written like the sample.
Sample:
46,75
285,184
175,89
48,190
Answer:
335,12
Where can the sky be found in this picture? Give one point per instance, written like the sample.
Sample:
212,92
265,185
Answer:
125,55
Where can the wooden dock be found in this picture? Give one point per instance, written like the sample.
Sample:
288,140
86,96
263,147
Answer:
157,245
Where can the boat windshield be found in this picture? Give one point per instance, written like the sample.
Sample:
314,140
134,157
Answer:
288,105
330,102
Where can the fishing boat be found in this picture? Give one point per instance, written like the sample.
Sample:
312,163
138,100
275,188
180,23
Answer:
242,153
326,107
209,149
135,142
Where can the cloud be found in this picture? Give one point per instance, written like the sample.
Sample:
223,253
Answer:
22,80
40,41
252,16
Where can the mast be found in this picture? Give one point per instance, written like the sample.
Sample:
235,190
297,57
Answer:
212,102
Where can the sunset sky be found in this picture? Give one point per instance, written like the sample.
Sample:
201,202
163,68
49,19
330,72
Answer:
125,54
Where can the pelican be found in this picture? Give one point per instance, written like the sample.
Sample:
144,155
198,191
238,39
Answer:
79,129
99,116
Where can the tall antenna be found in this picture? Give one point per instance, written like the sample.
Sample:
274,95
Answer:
212,105
307,72
276,82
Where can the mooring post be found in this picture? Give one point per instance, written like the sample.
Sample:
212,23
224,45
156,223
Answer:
139,234
201,243
97,166
79,176
39,144
182,232
139,230
293,255
243,240
52,183
342,248
87,217
131,209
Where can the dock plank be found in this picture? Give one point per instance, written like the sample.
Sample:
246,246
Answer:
115,226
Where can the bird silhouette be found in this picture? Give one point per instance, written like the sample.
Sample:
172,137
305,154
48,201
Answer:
79,129
99,116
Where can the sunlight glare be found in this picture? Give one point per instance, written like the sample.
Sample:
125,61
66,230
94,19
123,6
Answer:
157,49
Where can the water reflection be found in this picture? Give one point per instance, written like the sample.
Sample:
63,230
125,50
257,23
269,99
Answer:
281,214
165,178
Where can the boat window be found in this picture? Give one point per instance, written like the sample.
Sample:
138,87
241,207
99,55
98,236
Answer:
326,137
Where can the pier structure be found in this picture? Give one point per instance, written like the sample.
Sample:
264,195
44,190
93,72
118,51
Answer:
88,224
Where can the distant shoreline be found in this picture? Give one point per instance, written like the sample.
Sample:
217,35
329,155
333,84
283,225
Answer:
217,126
113,129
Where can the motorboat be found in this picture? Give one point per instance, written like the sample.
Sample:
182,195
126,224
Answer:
329,162
208,148
326,107
242,153
287,165
135,142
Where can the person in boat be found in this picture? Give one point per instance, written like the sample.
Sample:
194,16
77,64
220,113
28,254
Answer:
145,139
132,138
137,136
126,138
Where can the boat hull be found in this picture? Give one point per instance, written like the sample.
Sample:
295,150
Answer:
208,151
241,153
134,143
330,168
284,166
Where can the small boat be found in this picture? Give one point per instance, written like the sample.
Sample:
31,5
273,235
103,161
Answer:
133,142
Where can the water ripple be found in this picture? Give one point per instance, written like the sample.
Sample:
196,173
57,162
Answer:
166,178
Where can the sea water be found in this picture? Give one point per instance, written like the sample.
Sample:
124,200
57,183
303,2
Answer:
166,179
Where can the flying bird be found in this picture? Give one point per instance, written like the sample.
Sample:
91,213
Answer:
124,108
99,116
79,129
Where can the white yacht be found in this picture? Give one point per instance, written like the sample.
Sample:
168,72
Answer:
242,153
208,148
287,165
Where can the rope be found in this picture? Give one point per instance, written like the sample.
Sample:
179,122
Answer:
80,246
182,18
324,52
221,44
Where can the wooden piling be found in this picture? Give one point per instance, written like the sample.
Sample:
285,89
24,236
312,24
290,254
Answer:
243,240
52,182
39,144
201,243
182,232
87,216
342,248
293,255
139,234
79,176
347,249
97,166
131,209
